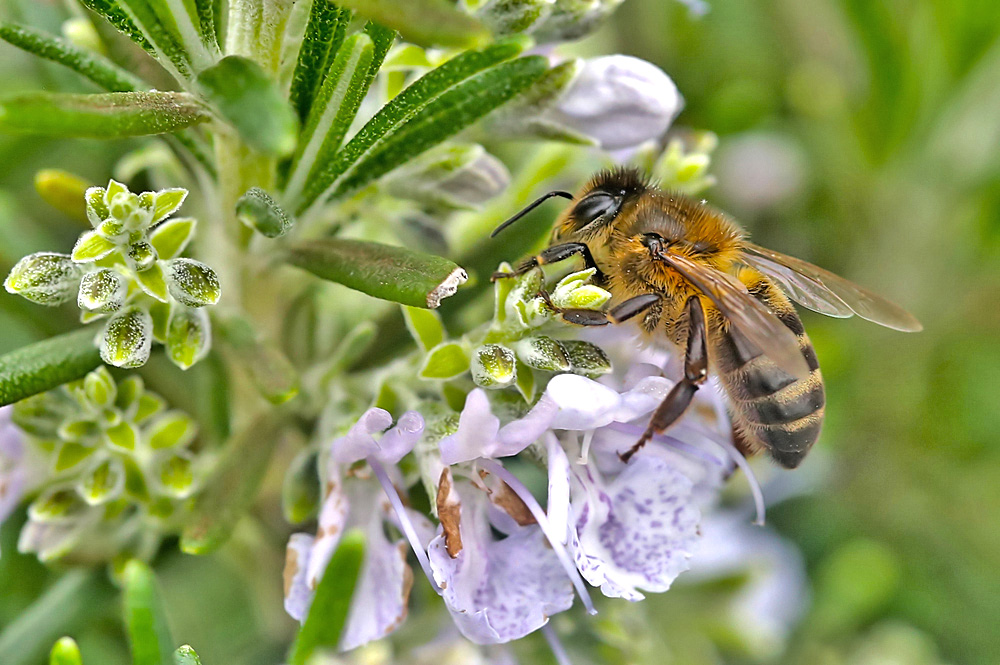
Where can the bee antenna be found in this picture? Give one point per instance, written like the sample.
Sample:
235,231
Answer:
531,206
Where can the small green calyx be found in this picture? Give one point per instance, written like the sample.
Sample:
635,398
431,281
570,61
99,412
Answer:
117,457
128,268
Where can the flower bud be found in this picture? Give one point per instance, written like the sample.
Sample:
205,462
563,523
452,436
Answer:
103,484
45,278
586,358
619,101
141,255
128,338
493,366
543,353
189,336
103,290
192,282
573,19
451,176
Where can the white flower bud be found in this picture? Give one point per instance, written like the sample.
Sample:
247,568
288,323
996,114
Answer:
619,101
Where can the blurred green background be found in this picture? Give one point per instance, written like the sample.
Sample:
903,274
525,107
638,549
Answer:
861,135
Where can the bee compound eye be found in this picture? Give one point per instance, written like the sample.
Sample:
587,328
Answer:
596,206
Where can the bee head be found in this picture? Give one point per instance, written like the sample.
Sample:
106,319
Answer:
601,201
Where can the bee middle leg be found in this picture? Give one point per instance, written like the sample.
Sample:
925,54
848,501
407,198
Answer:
553,254
594,317
695,373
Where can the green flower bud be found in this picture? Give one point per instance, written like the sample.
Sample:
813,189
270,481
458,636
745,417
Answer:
173,429
189,335
175,475
543,353
128,338
59,504
259,211
192,282
45,278
493,366
587,359
141,255
100,387
105,483
103,290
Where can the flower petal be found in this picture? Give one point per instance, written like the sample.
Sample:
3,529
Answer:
476,434
583,403
517,435
557,507
298,593
636,531
399,441
358,443
498,591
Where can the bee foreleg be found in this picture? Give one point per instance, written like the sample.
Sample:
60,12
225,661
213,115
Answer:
617,314
554,254
695,372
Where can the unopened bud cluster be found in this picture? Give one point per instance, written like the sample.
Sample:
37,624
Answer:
546,20
521,340
129,268
116,458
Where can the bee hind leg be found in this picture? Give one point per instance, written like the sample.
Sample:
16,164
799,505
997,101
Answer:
593,317
695,373
553,254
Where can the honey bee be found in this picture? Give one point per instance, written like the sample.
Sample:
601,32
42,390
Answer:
687,275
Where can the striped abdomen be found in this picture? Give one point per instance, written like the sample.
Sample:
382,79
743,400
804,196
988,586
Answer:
771,409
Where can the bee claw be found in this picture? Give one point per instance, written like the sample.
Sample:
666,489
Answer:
501,275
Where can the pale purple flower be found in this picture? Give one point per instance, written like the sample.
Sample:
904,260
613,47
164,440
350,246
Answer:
379,604
618,101
498,590
14,474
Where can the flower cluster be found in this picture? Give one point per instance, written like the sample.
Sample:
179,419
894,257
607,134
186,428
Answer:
109,462
128,268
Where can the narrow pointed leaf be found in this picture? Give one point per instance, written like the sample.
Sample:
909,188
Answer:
98,69
383,271
324,33
145,617
405,105
446,116
336,104
103,116
328,613
114,15
424,22
232,488
252,103
153,282
425,327
171,237
159,27
47,364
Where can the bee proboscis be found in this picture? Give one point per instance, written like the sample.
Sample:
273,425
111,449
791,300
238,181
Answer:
686,274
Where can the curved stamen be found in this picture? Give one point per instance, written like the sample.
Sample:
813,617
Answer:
673,442
404,520
741,461
543,522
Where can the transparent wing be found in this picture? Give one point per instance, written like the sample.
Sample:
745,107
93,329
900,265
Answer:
861,301
803,289
746,313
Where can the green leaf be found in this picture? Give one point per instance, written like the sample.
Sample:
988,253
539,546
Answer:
128,338
335,106
153,282
71,454
172,429
189,335
92,246
114,14
404,106
159,25
160,313
63,191
185,655
171,237
47,364
271,372
525,382
145,617
328,613
45,278
446,116
65,652
110,115
445,361
425,326
232,487
324,33
252,103
28,634
259,211
424,22
383,271
98,69
192,282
